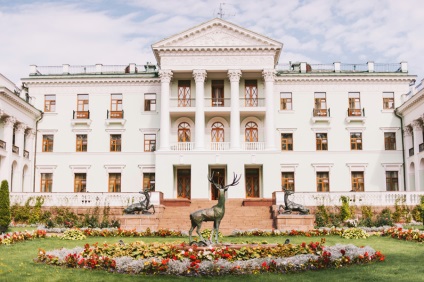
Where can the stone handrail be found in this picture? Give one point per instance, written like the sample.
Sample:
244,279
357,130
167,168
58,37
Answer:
85,199
356,198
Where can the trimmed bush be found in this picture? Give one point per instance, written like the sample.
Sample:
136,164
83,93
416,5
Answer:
5,218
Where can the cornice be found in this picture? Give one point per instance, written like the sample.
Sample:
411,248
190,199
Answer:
69,80
342,78
20,103
212,50
417,99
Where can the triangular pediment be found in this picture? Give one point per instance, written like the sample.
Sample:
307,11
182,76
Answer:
217,33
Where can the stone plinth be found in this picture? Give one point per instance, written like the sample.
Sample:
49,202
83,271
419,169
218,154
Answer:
287,222
139,222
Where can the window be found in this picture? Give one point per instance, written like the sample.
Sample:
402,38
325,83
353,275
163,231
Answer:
217,93
286,101
149,142
184,134
357,181
389,141
116,106
392,181
320,108
184,93
217,132
287,180
80,182
251,93
81,145
388,100
354,104
149,181
114,182
150,102
47,143
115,142
50,103
321,140
323,182
251,132
356,141
286,141
46,182
82,106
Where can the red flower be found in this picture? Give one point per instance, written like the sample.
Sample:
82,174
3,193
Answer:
343,252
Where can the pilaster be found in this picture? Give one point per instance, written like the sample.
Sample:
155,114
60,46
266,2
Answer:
269,77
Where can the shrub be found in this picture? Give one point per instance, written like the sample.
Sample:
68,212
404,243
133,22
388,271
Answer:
385,218
73,234
367,215
5,217
321,216
354,233
345,212
402,212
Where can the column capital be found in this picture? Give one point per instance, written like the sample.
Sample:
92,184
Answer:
1,113
9,121
234,75
30,132
165,76
417,124
199,75
407,131
20,128
269,75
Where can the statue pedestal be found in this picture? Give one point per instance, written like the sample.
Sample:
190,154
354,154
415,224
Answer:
288,222
139,222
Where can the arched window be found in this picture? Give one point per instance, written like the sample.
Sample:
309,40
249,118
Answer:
251,132
217,132
184,134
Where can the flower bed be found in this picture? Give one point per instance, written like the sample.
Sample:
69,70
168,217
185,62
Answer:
402,234
140,258
11,238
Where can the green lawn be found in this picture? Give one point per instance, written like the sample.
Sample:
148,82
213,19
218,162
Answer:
404,262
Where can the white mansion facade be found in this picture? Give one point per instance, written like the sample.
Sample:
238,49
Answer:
218,103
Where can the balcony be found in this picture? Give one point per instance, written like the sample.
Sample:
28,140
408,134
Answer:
219,146
252,103
2,145
355,115
253,146
320,115
411,152
217,102
15,149
182,146
26,154
81,117
113,117
182,106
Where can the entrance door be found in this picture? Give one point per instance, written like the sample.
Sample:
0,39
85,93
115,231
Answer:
183,183
218,177
252,183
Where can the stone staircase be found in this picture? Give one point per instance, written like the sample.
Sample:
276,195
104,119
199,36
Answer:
237,216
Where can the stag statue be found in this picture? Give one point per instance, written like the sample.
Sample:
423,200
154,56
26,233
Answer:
215,213
291,206
143,206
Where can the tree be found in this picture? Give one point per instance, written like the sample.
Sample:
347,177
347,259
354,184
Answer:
4,206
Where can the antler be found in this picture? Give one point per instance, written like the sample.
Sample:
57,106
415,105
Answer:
235,181
211,179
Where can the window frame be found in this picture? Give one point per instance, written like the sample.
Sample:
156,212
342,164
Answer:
46,182
387,100
289,142
321,142
149,144
149,180
322,177
286,103
115,143
81,144
80,184
354,144
48,143
114,178
287,180
149,102
390,180
357,181
389,140
50,104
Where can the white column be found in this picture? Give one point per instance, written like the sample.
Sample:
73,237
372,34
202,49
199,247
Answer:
165,79
234,76
199,78
19,137
30,147
269,76
8,138
418,139
407,134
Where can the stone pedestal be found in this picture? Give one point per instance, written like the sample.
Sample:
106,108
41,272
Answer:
139,222
287,222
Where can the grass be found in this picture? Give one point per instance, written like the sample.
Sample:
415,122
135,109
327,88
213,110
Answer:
403,262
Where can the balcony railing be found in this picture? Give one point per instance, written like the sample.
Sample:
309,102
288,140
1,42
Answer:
411,152
321,112
115,114
246,102
182,103
219,146
81,115
217,102
356,198
2,145
253,146
421,147
356,112
182,146
26,154
15,149
85,199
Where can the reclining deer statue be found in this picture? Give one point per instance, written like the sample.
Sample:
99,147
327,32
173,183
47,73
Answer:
291,206
215,213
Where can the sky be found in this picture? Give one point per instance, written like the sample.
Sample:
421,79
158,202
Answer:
119,32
